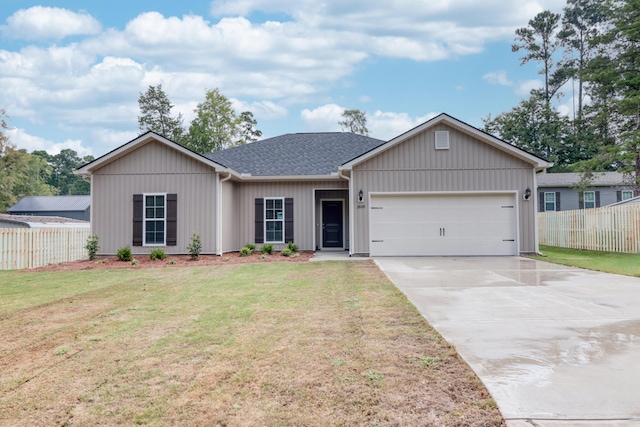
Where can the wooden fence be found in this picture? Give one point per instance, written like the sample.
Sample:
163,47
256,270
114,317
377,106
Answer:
614,228
35,247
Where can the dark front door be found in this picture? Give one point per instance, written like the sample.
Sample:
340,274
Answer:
332,224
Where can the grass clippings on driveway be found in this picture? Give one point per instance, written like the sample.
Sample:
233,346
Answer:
608,262
276,344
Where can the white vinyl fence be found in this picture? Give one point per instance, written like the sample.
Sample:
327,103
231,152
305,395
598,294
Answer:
614,228
35,247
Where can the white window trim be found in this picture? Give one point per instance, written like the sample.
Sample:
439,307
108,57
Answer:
264,214
554,202
629,192
144,220
584,199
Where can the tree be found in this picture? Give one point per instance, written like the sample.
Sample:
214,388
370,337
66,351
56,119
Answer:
62,167
247,128
540,42
155,110
536,128
354,121
215,126
580,28
613,77
4,139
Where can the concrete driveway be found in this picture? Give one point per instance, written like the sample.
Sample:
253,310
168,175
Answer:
555,346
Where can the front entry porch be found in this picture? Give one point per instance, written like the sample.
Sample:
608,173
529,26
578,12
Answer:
331,220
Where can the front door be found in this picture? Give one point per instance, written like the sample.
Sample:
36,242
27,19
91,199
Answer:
332,224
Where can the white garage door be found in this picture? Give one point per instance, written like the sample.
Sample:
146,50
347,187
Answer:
455,224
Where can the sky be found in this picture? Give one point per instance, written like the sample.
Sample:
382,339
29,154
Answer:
71,71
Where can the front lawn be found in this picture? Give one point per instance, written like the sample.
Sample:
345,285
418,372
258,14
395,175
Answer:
332,343
609,262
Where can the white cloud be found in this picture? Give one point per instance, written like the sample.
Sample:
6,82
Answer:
387,125
260,109
381,125
324,118
526,86
23,140
49,23
497,78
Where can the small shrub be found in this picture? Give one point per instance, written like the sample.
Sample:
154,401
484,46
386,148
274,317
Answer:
124,253
172,262
92,246
157,253
292,247
267,249
286,252
251,247
225,258
134,261
245,251
195,246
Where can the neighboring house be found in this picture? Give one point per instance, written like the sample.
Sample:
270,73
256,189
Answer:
21,221
74,207
442,188
556,191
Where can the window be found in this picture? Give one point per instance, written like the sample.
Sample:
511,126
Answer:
589,199
627,194
549,202
274,220
154,219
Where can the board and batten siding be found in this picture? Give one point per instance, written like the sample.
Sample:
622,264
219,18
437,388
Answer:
153,168
304,204
468,165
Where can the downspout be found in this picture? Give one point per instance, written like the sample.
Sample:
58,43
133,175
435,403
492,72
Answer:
351,213
219,212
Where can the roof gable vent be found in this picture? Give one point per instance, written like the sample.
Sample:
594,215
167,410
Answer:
442,140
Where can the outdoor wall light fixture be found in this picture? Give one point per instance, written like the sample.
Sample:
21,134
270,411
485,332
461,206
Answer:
527,193
360,196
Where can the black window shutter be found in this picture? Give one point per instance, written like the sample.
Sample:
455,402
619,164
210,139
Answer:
259,234
597,199
137,220
288,220
541,201
618,196
172,219
581,200
558,201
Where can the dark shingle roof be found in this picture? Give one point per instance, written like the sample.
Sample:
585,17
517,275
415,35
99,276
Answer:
51,203
296,154
568,179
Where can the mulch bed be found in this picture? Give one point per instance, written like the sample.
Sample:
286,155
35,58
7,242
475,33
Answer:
143,261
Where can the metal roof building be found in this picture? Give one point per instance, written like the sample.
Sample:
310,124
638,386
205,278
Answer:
74,207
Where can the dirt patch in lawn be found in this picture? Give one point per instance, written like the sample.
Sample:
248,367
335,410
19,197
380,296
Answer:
143,261
322,344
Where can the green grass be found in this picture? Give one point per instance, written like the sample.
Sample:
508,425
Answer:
331,343
609,262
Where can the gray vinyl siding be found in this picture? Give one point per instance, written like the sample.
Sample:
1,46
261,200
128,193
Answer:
303,208
468,165
570,198
153,168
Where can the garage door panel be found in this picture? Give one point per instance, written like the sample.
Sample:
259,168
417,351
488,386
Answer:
483,224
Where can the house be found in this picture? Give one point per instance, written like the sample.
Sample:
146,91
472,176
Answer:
24,221
442,188
74,207
557,191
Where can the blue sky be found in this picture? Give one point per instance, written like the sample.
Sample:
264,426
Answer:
71,72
